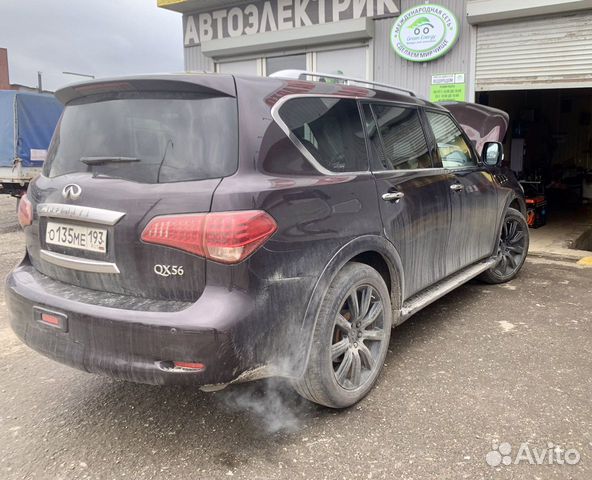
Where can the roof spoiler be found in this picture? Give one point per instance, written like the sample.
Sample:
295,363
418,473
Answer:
185,83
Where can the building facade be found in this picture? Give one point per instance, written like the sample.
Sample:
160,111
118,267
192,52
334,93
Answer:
531,58
500,44
349,37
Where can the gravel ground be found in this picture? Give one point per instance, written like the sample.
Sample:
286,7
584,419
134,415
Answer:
8,221
484,365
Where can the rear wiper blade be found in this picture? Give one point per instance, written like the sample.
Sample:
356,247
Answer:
103,160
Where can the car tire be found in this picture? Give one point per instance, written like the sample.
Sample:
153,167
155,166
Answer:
512,249
350,339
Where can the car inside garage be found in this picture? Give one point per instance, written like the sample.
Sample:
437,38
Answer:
539,70
549,147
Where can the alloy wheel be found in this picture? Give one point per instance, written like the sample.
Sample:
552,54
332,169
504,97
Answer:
358,336
512,248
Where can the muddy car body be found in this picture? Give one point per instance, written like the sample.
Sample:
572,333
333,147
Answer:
267,173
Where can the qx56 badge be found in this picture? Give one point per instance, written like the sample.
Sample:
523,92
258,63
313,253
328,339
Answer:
168,270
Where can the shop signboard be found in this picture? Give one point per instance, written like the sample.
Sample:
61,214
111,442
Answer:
449,87
272,15
424,33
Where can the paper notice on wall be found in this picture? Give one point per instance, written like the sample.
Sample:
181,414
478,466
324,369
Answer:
448,87
448,93
38,155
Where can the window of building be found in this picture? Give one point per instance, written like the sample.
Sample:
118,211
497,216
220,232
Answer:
397,138
285,62
454,150
330,129
350,62
240,67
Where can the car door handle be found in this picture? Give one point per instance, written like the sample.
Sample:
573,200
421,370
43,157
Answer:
456,187
392,196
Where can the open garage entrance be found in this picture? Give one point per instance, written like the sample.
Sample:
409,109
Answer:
549,147
539,70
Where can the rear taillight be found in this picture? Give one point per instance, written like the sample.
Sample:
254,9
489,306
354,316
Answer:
25,212
226,237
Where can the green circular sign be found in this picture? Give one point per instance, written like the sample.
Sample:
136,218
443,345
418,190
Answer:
424,33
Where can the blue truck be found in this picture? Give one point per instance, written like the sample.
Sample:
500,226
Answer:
27,122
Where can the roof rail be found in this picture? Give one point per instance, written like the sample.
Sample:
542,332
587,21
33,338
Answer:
301,74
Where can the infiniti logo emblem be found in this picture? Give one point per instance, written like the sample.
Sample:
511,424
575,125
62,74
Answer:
71,191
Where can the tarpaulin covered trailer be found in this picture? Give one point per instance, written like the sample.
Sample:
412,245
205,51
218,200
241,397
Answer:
27,122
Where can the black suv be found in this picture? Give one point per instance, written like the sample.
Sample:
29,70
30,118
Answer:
210,229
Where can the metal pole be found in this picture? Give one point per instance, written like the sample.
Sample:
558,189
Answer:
39,82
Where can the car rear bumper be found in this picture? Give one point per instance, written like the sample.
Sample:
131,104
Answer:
137,344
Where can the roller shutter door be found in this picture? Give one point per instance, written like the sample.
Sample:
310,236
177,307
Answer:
546,52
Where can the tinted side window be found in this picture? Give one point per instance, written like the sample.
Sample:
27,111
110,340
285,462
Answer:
453,148
330,129
397,138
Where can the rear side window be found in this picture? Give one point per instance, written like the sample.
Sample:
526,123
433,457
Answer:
397,137
147,138
454,150
330,129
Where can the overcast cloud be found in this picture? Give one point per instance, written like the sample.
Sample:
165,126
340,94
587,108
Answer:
98,37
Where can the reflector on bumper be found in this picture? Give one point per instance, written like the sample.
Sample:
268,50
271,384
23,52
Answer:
51,319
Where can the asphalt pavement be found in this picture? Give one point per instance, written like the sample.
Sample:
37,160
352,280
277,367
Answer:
487,376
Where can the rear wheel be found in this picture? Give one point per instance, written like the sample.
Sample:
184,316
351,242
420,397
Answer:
350,340
512,249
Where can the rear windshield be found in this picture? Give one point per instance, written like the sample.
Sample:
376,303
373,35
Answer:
147,138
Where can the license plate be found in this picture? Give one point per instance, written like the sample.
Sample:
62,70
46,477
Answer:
76,236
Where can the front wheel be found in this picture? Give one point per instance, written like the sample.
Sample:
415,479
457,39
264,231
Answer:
512,249
351,339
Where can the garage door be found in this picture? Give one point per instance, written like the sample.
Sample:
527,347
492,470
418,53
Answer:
549,52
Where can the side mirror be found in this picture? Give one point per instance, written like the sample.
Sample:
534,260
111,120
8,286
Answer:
493,153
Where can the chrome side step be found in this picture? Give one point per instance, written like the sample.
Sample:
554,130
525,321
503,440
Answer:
438,290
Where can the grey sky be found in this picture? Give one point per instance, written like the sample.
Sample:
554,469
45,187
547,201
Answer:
97,37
